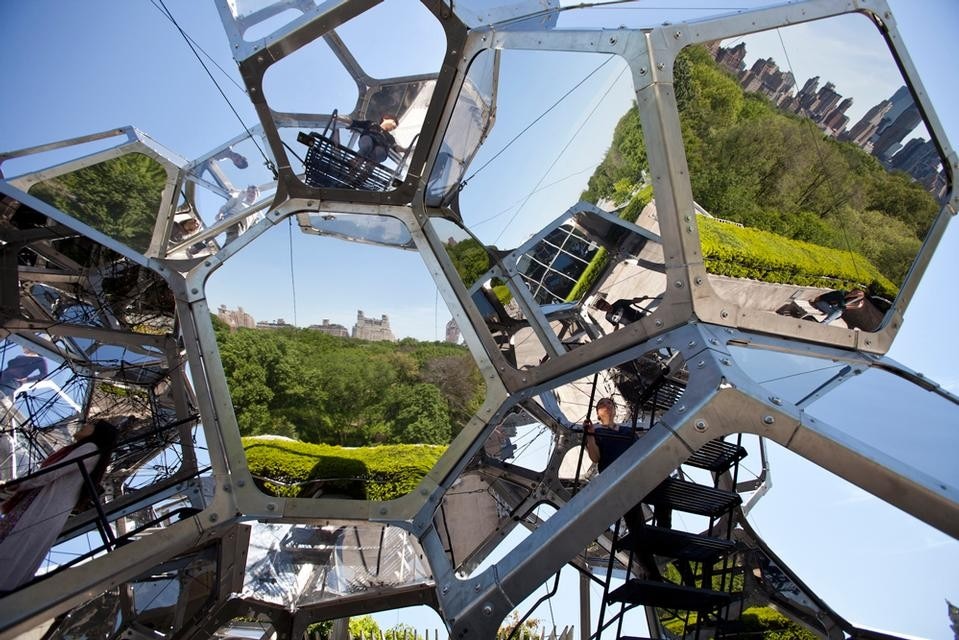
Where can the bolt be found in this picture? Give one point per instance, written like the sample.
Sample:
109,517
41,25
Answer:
699,280
692,343
713,341
681,408
476,587
677,35
701,364
868,342
214,517
642,71
701,425
241,483
678,284
383,511
659,340
724,313
776,401
659,323
726,361
769,419
612,41
446,588
660,66
207,263
488,610
271,506
194,290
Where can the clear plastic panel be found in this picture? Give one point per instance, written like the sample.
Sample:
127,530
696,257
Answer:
469,125
899,419
381,230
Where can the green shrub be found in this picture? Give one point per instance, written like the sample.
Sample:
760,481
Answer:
371,473
769,624
742,252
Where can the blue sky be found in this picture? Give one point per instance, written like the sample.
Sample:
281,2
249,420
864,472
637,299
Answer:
75,68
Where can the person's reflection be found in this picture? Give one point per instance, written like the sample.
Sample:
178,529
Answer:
18,371
238,203
622,312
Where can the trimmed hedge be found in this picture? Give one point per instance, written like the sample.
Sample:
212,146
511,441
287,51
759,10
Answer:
365,473
744,252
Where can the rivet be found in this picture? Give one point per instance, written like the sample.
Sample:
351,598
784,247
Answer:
194,290
726,361
241,483
701,364
659,340
724,313
642,71
677,35
524,379
776,401
476,587
214,517
488,610
227,487
769,419
613,41
383,511
701,425
868,342
271,506
678,284
207,263
713,341
681,408
691,344
699,280
659,323
446,588
689,228
660,66
259,58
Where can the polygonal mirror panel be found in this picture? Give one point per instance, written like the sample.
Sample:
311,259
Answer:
120,197
815,176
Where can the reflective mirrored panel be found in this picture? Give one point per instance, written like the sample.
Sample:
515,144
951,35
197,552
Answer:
361,383
119,197
297,565
815,176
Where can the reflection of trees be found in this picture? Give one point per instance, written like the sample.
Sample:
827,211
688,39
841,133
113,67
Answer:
752,163
119,197
470,259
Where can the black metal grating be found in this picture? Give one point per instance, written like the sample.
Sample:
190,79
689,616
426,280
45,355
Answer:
717,455
328,164
676,544
693,498
669,596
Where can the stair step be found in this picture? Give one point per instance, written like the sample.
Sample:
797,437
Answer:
693,498
676,544
717,455
669,596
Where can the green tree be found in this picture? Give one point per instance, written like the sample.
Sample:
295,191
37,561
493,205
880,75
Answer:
119,197
417,413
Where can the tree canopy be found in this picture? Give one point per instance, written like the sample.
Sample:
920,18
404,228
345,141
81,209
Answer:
751,163
314,387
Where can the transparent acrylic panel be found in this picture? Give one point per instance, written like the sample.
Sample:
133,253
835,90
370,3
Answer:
791,377
815,173
370,141
899,419
352,384
372,229
469,125
119,197
563,110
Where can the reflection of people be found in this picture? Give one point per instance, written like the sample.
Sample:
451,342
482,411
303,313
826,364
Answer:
239,161
18,371
239,202
833,303
621,312
34,516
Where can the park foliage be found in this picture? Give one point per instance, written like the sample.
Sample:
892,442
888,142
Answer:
772,171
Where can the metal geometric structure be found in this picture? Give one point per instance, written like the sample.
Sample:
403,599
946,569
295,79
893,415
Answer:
119,305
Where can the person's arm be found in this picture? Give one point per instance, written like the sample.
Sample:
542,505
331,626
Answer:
589,436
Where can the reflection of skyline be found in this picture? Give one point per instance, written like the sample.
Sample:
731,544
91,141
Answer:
879,132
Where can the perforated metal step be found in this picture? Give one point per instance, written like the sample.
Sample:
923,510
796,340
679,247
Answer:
669,596
717,455
676,544
693,498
